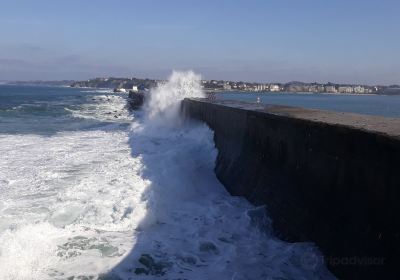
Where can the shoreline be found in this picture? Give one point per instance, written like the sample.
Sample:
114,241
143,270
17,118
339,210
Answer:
217,91
299,93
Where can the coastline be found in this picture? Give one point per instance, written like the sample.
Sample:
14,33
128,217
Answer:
299,93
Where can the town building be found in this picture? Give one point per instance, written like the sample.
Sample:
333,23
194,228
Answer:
345,89
359,89
261,87
320,88
273,87
331,89
227,86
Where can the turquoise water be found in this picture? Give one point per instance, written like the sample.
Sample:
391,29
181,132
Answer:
388,106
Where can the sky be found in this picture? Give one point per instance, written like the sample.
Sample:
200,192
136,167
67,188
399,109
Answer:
344,41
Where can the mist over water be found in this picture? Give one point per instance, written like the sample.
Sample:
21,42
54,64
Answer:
133,196
164,100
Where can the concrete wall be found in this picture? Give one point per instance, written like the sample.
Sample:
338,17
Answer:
331,178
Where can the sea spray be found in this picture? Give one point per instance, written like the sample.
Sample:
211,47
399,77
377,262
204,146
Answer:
163,104
27,251
136,202
161,124
193,229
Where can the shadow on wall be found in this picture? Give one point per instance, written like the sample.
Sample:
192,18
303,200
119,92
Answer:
326,177
193,229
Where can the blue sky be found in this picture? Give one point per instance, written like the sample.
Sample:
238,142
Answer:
354,41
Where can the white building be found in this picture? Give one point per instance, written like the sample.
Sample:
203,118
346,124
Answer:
359,89
344,89
227,86
330,89
261,87
274,88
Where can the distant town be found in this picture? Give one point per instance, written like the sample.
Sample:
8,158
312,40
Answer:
299,87
221,85
127,84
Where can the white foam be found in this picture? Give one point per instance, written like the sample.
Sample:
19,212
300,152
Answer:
70,203
25,251
164,100
103,108
99,90
85,203
193,228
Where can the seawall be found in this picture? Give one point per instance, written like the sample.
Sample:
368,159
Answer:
327,177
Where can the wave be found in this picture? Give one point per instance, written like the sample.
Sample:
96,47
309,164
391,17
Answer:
133,203
164,100
193,229
100,90
102,108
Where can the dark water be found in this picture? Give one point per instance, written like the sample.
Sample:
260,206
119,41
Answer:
388,106
47,110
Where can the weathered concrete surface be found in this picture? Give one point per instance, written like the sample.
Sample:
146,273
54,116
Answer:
327,177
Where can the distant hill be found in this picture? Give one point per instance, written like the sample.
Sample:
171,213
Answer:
126,83
41,83
392,90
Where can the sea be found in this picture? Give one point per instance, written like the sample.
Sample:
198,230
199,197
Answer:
91,190
367,104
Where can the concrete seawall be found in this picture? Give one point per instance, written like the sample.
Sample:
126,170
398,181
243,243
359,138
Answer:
327,177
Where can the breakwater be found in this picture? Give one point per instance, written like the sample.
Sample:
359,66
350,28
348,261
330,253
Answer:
326,177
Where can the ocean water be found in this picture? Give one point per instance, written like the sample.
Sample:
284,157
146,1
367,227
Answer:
89,190
378,105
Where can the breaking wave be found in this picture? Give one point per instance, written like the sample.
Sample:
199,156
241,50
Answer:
137,202
193,229
164,100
